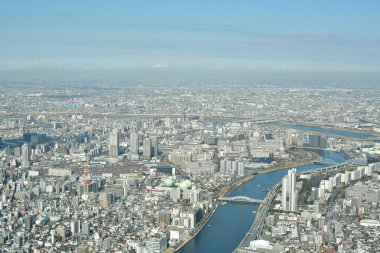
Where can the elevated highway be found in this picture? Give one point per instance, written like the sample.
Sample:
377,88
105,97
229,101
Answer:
258,224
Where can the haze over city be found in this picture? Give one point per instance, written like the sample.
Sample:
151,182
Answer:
326,41
189,126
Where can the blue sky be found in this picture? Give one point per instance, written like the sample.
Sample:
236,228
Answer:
187,39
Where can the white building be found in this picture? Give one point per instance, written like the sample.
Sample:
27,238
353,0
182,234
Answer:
289,194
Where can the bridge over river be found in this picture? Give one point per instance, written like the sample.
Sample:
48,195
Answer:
258,224
241,199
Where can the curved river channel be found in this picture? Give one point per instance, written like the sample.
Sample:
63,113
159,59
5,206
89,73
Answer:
229,224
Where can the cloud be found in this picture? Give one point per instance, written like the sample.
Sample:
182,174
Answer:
160,66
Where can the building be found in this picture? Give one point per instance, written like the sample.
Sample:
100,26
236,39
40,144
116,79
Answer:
85,228
106,198
74,227
134,143
59,172
164,218
139,126
289,194
156,244
196,195
25,155
316,141
154,145
176,233
284,200
147,151
370,194
175,194
114,144
289,138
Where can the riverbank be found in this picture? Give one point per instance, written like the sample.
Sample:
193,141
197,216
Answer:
223,192
263,210
353,130
233,185
188,238
314,158
315,131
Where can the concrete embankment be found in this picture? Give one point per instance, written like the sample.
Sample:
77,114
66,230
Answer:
314,158
223,192
233,185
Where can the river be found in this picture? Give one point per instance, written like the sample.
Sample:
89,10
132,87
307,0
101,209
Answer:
229,224
326,130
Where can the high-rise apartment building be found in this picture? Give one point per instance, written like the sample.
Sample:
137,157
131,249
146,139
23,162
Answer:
154,145
147,151
289,138
134,143
289,194
25,155
114,144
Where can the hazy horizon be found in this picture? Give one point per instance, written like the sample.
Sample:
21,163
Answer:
245,41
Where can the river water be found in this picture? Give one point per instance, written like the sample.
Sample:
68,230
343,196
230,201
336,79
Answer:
229,224
325,130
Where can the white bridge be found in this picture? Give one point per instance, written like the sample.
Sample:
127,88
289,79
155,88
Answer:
241,199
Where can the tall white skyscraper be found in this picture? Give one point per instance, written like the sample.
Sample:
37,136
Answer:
289,194
285,193
114,144
25,155
292,189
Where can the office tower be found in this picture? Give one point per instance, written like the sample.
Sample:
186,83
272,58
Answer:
114,144
134,143
289,194
317,141
154,145
196,195
164,218
222,167
314,140
85,228
289,138
25,155
74,227
105,199
28,221
147,152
